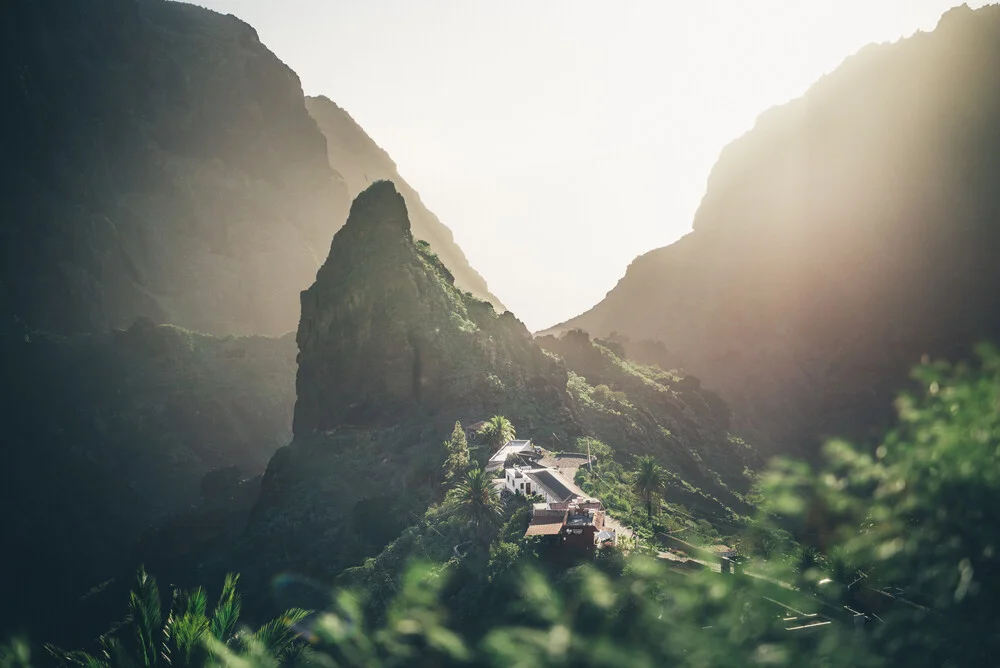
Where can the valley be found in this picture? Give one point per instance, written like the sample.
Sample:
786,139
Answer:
240,350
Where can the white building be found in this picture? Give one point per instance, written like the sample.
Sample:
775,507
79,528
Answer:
511,448
544,482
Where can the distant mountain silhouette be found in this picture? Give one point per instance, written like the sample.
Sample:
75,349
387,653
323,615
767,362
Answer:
158,161
850,232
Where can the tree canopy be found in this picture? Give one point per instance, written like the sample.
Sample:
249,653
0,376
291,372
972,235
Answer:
648,480
497,431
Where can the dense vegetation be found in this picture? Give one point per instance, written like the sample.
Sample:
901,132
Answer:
109,434
639,409
915,517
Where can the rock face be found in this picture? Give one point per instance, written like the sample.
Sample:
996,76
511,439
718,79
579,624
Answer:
850,232
158,161
385,332
361,162
391,354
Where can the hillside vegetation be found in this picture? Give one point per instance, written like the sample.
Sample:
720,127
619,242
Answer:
106,435
391,355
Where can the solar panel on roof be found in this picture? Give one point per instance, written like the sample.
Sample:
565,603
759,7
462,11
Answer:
553,484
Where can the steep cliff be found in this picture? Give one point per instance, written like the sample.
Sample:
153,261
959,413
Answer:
361,161
159,161
391,354
849,233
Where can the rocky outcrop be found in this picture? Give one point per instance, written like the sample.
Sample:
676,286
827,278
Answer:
391,354
361,162
159,161
385,332
849,233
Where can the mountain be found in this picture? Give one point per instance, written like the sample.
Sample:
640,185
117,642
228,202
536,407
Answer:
159,161
109,434
361,162
391,354
849,233
162,177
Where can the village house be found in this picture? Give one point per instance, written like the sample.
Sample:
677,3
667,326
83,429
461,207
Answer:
570,530
499,458
570,523
541,481
472,431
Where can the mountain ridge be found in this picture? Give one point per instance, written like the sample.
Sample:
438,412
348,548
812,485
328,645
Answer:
832,242
161,162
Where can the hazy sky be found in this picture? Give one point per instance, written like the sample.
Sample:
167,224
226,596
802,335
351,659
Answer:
559,139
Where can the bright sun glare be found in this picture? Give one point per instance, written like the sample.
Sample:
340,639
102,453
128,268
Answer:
558,140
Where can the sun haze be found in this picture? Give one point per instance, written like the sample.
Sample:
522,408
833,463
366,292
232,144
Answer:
558,140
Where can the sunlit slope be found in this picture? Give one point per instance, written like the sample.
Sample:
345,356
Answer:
850,232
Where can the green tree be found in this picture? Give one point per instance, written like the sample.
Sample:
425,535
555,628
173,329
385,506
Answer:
919,514
497,431
457,463
649,480
187,636
478,501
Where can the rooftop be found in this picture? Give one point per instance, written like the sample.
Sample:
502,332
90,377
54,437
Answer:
511,448
558,487
545,525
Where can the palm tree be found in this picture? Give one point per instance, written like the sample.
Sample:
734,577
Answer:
648,480
478,500
188,635
497,431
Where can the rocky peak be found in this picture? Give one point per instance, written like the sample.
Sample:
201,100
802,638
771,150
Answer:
380,211
361,161
385,335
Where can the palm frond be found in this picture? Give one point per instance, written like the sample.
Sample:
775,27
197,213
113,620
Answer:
75,658
186,627
115,654
146,617
188,632
279,634
227,610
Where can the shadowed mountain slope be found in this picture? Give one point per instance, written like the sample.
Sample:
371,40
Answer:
107,434
849,233
159,161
